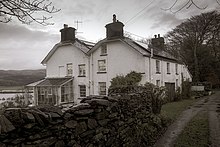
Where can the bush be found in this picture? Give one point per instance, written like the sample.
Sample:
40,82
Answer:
186,89
132,78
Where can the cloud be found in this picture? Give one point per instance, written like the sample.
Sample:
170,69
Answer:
22,48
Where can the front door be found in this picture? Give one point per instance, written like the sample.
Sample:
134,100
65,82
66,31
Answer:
171,90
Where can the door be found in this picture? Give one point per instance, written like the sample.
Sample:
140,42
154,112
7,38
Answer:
170,90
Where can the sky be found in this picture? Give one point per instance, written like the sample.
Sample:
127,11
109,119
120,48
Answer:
25,46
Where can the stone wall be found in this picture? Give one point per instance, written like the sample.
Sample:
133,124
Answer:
96,121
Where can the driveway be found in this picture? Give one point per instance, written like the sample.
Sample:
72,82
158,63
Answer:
211,104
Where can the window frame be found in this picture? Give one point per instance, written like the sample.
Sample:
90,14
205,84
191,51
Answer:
82,70
102,69
176,69
158,66
69,71
80,91
168,67
103,50
102,85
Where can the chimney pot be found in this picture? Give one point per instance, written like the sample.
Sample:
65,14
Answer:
155,36
65,26
114,18
158,35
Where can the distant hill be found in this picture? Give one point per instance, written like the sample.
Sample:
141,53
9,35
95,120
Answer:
20,77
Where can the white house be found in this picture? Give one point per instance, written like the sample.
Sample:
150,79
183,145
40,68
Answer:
76,69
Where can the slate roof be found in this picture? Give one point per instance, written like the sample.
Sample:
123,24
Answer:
54,81
84,46
142,48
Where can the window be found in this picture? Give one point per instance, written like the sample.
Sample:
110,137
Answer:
157,66
82,90
158,82
101,66
69,69
82,70
176,68
102,88
104,49
49,91
168,68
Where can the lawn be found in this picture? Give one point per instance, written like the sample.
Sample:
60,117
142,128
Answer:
196,133
174,109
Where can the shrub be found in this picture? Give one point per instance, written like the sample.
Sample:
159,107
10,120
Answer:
186,89
132,78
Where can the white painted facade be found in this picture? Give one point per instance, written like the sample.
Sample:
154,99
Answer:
122,56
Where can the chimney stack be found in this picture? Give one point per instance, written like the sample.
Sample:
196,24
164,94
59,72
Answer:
115,29
158,41
67,33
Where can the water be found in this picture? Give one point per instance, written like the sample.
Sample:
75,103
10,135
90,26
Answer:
8,96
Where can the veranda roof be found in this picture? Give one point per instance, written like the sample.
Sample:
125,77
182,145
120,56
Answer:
54,81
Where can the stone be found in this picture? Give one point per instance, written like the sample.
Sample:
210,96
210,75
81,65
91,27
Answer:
17,141
92,123
110,141
101,102
84,112
54,115
98,137
71,124
59,143
113,115
87,133
103,122
81,127
80,106
29,116
67,115
5,125
101,115
29,126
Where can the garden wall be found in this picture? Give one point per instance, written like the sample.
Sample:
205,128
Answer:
96,121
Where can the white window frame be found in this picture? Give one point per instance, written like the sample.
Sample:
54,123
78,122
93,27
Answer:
176,68
157,66
168,67
101,65
102,88
103,49
69,69
82,70
82,90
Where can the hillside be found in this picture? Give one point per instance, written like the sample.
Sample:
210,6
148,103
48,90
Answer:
20,77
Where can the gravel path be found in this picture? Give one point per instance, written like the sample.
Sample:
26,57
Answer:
210,104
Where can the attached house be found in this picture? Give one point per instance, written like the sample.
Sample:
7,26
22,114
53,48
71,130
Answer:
76,68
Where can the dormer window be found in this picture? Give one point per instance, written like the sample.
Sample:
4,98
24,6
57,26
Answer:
103,49
69,68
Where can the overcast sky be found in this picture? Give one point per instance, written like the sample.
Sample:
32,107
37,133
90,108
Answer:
25,46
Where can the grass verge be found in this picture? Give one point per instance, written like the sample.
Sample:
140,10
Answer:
196,133
174,109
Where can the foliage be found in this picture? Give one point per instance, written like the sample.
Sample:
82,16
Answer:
178,94
186,90
196,42
132,78
24,11
196,133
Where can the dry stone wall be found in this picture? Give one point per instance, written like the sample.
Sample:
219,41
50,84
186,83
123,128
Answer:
96,121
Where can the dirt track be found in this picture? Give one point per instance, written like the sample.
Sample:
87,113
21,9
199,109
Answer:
210,104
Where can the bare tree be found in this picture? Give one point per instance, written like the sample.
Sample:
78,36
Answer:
194,37
26,11
186,4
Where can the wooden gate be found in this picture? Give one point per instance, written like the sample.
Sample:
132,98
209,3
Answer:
170,90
